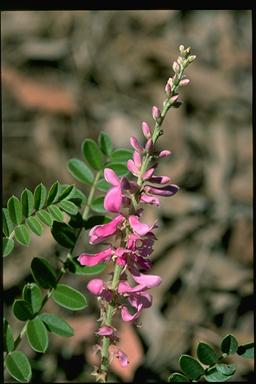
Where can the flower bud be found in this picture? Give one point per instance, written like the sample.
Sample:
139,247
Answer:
181,48
164,153
174,98
146,130
149,145
176,67
184,82
170,81
168,89
156,113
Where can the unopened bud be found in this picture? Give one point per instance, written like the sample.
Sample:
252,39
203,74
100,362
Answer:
184,82
170,81
156,113
168,88
146,130
176,67
174,99
191,58
181,48
149,145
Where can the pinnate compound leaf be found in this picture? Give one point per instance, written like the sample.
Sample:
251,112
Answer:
177,377
8,245
121,155
22,235
18,366
40,195
43,273
206,354
191,367
56,325
229,345
69,297
92,154
53,193
44,217
213,375
105,143
15,211
55,212
246,350
64,234
27,202
7,223
98,205
8,337
37,335
80,171
22,310
68,207
32,294
226,369
34,224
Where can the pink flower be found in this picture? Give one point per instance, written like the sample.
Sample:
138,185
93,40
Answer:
123,358
135,144
168,190
148,281
144,198
96,286
113,198
97,258
139,301
164,153
148,174
105,330
156,113
101,232
133,168
159,179
138,227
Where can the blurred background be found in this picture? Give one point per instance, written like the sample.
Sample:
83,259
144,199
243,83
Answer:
67,75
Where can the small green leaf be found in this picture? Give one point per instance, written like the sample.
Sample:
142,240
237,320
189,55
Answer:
105,143
55,213
53,193
7,223
206,354
56,325
96,220
98,205
226,369
68,207
37,335
64,234
102,185
75,267
43,273
66,192
92,154
22,235
69,298
80,171
18,366
246,350
22,310
76,221
191,367
8,245
34,224
77,197
40,195
15,211
121,155
177,377
8,337
27,202
45,217
213,375
229,345
119,168
32,294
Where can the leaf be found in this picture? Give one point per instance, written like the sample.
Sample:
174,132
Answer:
102,185
80,171
68,207
32,294
37,335
45,217
206,354
22,310
246,350
226,369
105,143
92,154
8,245
53,193
64,234
191,367
177,377
18,366
34,224
74,267
119,168
8,337
7,223
96,220
213,375
229,345
27,202
69,298
43,273
66,192
98,205
22,235
121,155
40,195
55,213
76,221
56,325
15,211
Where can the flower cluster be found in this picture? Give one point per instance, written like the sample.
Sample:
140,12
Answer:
128,240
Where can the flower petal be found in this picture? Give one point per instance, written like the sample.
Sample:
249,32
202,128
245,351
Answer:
138,227
168,190
126,316
132,167
96,286
97,258
148,281
105,330
149,199
123,358
113,199
111,177
100,232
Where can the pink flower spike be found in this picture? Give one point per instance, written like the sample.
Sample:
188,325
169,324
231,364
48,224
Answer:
149,281
148,174
168,190
146,130
159,179
149,199
164,153
137,159
156,113
111,177
135,144
113,199
138,227
96,286
123,358
100,232
105,330
97,258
